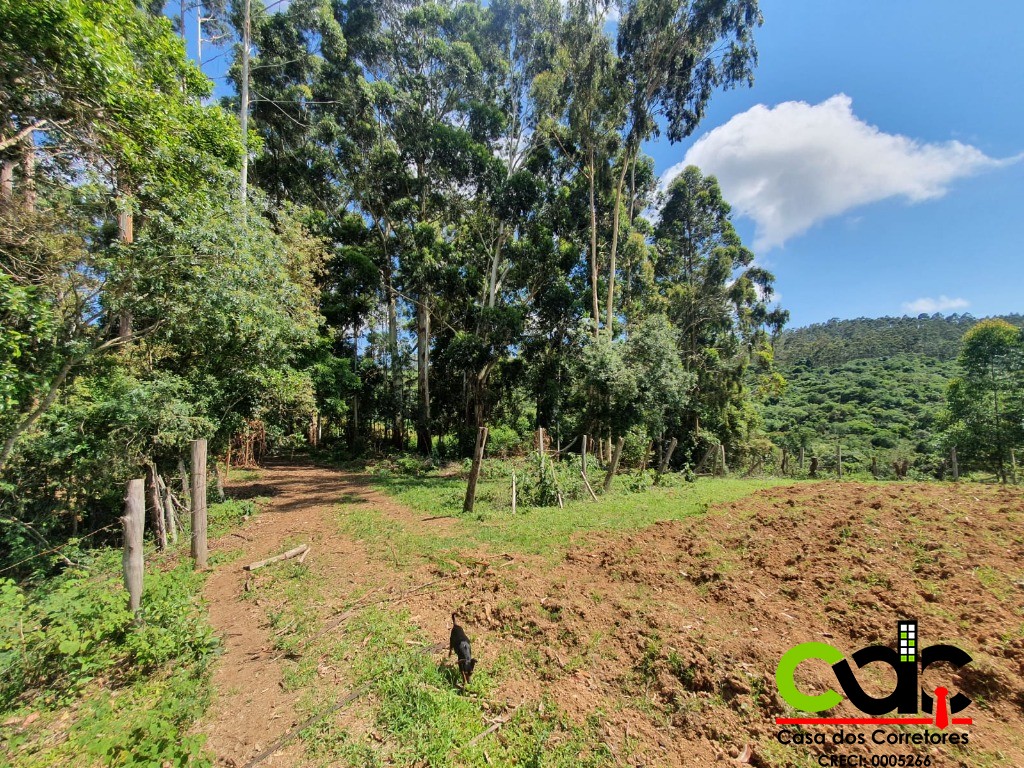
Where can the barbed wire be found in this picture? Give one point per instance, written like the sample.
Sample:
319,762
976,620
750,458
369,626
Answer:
58,548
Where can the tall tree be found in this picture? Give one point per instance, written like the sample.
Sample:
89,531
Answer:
715,296
986,403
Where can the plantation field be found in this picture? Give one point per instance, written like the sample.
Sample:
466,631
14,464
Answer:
648,635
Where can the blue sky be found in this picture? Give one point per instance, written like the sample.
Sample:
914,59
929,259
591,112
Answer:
840,165
860,205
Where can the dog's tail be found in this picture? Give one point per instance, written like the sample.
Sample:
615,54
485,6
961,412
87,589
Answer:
454,622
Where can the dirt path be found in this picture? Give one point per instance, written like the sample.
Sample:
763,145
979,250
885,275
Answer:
251,707
671,633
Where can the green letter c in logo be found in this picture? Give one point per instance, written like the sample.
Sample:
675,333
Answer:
787,666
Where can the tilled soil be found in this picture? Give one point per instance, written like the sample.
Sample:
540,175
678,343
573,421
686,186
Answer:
673,633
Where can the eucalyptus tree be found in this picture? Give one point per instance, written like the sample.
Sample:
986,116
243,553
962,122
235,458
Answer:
419,66
584,110
292,104
499,237
673,55
717,299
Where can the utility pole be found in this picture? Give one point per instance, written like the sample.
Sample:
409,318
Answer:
244,105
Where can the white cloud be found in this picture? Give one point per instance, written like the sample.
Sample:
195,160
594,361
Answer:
931,306
790,166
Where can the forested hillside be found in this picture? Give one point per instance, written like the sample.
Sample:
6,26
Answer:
436,220
877,387
840,341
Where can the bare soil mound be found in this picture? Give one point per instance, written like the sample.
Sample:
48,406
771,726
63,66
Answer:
673,634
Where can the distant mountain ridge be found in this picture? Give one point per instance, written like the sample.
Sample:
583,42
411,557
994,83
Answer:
875,385
840,341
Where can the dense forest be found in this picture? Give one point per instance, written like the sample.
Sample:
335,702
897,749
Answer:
439,216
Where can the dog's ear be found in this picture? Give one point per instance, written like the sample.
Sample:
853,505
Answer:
472,664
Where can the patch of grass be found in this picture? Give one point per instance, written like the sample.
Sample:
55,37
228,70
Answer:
547,531
105,690
226,515
413,711
419,715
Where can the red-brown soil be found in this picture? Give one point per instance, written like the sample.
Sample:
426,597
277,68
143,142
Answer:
251,708
673,633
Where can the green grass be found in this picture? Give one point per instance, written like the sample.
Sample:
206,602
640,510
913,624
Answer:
103,690
547,531
412,710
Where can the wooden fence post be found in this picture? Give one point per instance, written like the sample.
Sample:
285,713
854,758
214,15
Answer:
1013,466
784,464
721,452
186,489
839,459
170,520
157,515
583,454
221,477
513,491
199,502
667,458
132,523
954,464
474,473
801,458
814,466
614,465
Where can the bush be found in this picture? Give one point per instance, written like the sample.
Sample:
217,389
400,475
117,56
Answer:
78,627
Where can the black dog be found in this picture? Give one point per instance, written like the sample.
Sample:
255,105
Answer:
458,644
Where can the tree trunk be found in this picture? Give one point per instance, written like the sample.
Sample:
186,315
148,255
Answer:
424,442
170,519
156,507
613,250
28,167
7,180
397,416
186,488
595,306
668,457
614,464
126,234
474,473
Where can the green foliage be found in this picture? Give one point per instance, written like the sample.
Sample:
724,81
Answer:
62,636
839,341
888,408
134,689
986,402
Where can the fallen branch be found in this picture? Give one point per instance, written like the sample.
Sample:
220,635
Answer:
494,726
277,558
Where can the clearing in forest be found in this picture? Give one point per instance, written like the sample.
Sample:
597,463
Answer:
649,635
